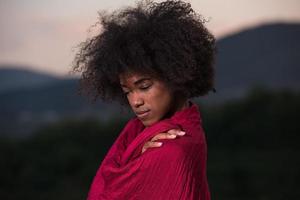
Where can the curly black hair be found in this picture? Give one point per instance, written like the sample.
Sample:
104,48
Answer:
167,40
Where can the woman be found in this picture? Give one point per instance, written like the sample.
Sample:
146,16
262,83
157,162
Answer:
154,57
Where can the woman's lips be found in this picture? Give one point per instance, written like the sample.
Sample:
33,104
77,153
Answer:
143,114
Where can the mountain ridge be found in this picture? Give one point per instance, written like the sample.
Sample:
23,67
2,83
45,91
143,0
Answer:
265,56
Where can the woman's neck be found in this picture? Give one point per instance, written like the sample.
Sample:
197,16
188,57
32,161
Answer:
182,105
178,105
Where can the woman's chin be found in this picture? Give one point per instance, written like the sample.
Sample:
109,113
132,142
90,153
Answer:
148,122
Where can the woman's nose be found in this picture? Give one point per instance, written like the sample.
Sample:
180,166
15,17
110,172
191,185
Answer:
136,99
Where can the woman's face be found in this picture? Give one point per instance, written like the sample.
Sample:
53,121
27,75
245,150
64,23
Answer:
149,98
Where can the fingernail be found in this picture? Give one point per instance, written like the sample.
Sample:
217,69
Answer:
159,143
172,136
181,133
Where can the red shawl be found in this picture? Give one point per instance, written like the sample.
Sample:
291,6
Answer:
175,170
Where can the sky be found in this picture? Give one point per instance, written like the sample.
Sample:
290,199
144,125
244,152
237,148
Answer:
42,35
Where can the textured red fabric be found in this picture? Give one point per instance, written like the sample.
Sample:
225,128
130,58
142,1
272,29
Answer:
175,170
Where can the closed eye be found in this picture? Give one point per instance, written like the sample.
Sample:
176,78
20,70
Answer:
145,87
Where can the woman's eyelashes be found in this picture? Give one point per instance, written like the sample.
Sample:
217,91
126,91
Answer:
143,88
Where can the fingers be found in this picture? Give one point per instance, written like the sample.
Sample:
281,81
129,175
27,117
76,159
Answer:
176,132
171,134
163,136
150,144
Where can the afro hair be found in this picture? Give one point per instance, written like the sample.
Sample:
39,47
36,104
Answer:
167,40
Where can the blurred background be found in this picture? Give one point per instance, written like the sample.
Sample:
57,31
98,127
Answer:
52,140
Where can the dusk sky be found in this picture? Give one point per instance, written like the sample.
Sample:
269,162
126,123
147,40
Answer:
40,34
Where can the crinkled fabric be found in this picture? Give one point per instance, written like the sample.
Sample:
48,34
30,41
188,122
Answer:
175,170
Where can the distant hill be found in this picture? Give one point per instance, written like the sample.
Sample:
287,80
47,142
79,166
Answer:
14,77
265,56
43,99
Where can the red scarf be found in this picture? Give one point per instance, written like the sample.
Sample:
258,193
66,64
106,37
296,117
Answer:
175,170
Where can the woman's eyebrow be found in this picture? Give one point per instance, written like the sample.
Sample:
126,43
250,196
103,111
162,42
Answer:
141,80
136,82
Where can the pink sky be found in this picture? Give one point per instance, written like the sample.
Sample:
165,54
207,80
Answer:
41,34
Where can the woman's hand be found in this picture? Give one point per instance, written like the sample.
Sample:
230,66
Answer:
171,134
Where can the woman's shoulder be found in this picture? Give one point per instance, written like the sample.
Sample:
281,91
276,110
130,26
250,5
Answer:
182,154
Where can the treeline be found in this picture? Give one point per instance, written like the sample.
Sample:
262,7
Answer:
253,153
254,147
